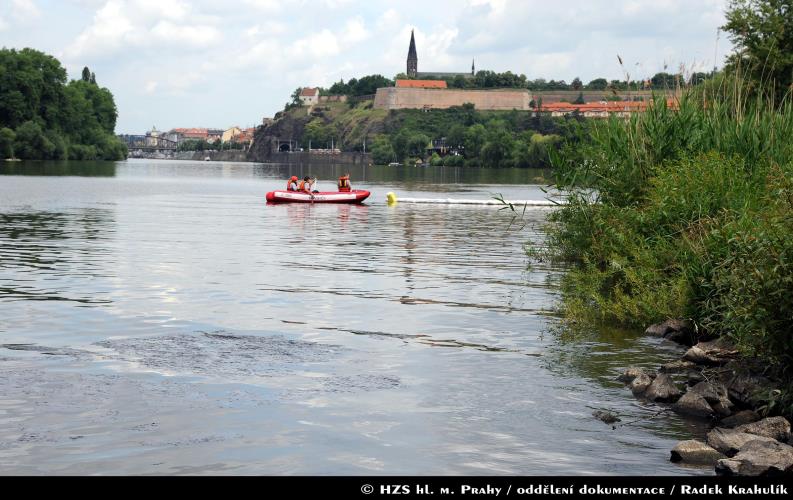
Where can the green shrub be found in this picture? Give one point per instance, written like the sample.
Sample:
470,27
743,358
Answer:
684,213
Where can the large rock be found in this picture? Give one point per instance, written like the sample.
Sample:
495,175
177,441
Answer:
713,393
695,452
631,373
731,441
774,427
692,403
640,384
677,330
716,395
714,353
749,389
759,458
662,389
740,418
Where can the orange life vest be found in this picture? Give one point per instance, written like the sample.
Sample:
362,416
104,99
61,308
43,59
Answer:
304,186
344,183
290,184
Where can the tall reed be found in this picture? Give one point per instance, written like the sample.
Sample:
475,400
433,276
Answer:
685,211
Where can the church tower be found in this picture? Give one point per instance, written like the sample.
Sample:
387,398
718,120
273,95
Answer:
413,58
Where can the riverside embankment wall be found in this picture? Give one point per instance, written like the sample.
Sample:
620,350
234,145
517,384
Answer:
306,158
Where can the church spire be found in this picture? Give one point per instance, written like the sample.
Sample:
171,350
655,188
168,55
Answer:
413,58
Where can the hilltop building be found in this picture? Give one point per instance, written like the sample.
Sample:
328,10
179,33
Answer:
309,96
413,65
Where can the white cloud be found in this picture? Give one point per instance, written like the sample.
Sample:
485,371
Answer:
389,20
355,31
3,24
193,36
316,45
136,24
25,10
266,5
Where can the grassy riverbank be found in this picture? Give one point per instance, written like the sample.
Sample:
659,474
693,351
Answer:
691,216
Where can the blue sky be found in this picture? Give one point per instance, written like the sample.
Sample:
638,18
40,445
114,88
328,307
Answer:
173,63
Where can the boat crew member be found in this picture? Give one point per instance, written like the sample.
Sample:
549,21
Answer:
344,184
305,185
292,184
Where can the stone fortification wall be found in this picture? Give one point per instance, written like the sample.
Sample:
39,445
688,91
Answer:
412,98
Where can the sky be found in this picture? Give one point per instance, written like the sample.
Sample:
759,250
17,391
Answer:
174,63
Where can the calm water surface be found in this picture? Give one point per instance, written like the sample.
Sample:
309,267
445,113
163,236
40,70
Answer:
159,318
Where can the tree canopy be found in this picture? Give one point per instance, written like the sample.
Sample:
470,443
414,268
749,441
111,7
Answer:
48,118
762,32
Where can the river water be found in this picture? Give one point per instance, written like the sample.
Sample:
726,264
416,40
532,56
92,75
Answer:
159,317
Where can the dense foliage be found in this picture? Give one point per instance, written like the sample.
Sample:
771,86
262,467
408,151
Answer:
367,85
44,117
474,138
687,213
762,31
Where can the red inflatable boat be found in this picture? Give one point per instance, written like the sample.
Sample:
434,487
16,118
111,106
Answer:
355,196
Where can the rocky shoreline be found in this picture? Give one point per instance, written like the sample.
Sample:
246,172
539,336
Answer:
713,383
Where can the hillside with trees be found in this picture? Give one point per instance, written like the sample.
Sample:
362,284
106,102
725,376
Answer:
467,136
45,117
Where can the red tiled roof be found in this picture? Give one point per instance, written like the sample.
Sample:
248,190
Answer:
192,132
421,84
308,92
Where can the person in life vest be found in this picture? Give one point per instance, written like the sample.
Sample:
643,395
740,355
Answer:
305,185
344,184
291,185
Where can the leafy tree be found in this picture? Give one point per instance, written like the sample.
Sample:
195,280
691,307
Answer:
365,86
762,32
31,143
456,135
296,97
318,134
417,144
50,116
474,139
31,86
576,84
382,151
7,137
580,99
664,81
598,84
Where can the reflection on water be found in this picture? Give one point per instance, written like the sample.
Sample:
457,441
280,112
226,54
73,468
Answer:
39,249
59,168
167,320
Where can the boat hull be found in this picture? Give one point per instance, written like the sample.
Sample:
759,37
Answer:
356,196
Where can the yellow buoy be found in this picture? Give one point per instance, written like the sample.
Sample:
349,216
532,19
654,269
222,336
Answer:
391,198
